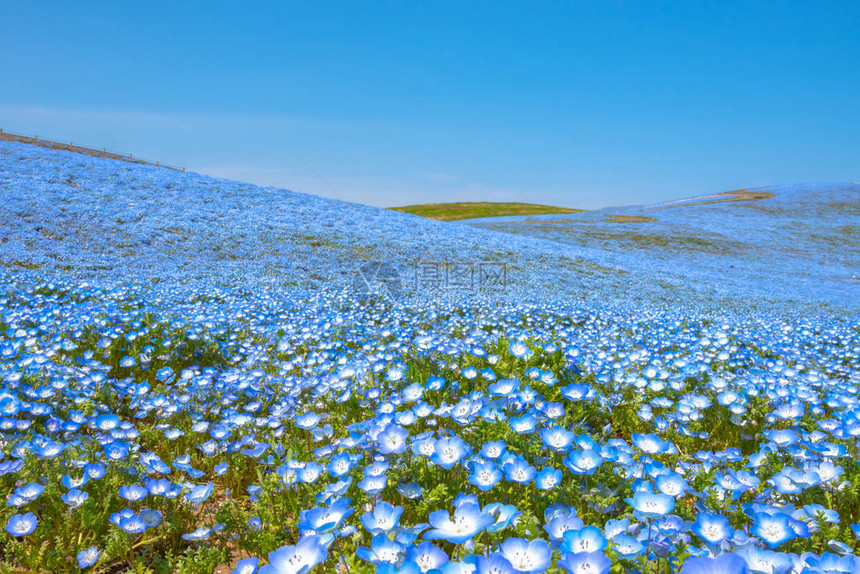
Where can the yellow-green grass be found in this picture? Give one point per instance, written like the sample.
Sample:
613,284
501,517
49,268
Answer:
479,209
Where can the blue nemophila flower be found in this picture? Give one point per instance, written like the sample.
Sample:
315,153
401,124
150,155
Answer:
88,557
503,515
587,539
320,520
468,520
50,449
650,504
627,546
652,444
411,490
200,493
382,550
449,451
298,559
562,522
133,492
527,557
30,492
493,449
503,387
132,524
21,524
722,564
773,529
72,483
493,564
310,472
547,478
201,533
373,484
518,470
106,422
151,518
523,424
384,518
576,391
427,557
519,350
75,497
712,528
392,439
585,563
672,484
583,462
557,438
246,566
307,421
485,475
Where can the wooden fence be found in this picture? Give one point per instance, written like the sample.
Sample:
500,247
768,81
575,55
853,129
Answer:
36,140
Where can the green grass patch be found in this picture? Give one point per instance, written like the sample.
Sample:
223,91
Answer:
474,210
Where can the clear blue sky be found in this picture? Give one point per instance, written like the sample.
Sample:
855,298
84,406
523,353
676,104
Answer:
407,102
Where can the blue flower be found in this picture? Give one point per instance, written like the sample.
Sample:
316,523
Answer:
774,529
493,449
382,549
298,559
651,444
518,470
587,539
485,475
627,546
320,520
502,514
492,564
392,439
385,517
246,566
519,350
426,556
583,462
201,533
651,505
585,563
133,492
30,492
557,438
712,528
134,525
75,497
527,557
22,524
88,557
547,478
411,490
449,451
200,493
722,564
468,521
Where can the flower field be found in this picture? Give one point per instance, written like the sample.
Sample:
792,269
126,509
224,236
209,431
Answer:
188,393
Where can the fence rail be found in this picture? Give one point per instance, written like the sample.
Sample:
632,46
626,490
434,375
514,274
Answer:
51,144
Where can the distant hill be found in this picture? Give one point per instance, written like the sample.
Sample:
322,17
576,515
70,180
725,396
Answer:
74,216
480,209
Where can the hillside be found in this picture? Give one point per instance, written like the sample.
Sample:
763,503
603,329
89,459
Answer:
76,216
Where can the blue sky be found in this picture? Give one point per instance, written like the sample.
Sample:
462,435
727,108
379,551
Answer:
397,103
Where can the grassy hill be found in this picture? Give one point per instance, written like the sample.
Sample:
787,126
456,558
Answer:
479,209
